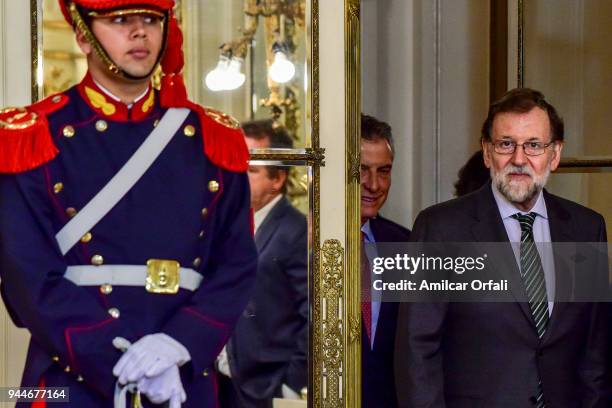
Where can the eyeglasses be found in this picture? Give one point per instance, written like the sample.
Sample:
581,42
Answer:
530,148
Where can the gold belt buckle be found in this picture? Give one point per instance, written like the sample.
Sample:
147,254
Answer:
162,276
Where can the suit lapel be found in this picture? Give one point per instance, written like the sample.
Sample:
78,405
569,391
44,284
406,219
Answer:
489,227
386,315
559,222
269,225
379,233
385,326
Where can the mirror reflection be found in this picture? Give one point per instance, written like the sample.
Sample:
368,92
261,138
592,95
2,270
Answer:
266,356
253,63
248,58
63,63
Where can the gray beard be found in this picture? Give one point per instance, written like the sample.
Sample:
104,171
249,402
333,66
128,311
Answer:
519,192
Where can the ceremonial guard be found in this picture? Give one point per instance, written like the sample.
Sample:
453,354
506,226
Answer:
126,243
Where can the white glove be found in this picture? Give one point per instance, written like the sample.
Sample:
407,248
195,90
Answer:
223,363
164,387
150,356
288,393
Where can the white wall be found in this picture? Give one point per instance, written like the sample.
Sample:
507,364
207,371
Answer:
388,89
426,72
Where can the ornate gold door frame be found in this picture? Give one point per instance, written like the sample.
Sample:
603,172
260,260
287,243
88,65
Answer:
336,334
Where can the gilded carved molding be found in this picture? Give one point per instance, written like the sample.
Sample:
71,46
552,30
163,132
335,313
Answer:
331,324
316,359
316,355
314,137
35,48
354,328
311,156
354,10
354,166
351,307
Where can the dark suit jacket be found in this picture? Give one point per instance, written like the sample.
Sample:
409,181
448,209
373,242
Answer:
488,354
378,389
270,342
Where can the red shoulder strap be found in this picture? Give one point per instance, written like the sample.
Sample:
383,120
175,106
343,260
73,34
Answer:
25,138
224,143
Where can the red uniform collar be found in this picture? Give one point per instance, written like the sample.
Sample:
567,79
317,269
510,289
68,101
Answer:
106,106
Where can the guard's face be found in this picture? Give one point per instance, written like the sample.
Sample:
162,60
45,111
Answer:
375,174
133,42
520,177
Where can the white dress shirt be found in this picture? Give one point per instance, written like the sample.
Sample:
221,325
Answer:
117,99
261,214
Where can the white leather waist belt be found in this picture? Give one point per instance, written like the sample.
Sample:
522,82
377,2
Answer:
158,276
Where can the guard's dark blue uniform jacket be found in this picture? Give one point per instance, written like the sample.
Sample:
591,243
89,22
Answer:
184,208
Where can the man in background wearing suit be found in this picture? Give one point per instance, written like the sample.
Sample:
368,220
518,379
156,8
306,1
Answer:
378,319
539,353
266,355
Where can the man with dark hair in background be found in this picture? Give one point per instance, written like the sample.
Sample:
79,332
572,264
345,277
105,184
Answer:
266,356
378,319
543,352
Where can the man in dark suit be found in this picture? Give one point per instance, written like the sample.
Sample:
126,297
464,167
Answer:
266,355
378,319
534,353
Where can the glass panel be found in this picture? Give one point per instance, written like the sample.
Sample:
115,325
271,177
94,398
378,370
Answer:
261,42
226,39
63,62
589,189
567,56
298,185
270,343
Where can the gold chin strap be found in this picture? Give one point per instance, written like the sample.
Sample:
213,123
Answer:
106,59
80,24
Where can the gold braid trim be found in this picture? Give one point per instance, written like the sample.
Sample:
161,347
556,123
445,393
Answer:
80,24
128,12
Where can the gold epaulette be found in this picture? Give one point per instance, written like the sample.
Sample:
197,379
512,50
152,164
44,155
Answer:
224,142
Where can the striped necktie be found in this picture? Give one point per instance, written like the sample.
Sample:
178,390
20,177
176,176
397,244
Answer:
535,284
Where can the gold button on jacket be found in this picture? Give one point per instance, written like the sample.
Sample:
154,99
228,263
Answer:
97,260
68,131
213,186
